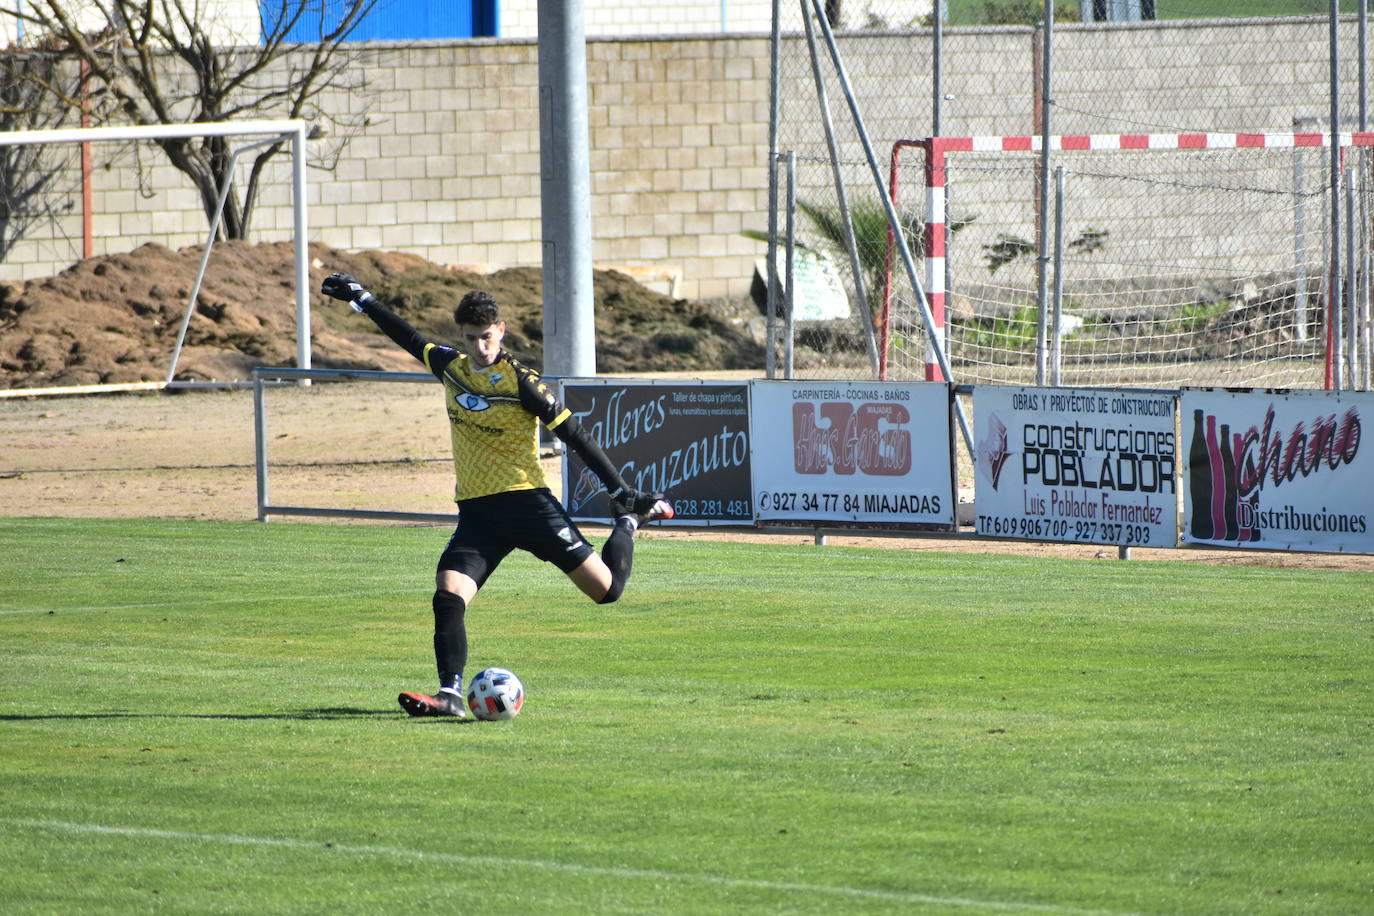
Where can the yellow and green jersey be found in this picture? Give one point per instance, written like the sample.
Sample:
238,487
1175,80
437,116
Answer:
493,411
493,414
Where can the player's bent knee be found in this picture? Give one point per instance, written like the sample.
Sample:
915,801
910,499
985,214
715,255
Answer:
613,593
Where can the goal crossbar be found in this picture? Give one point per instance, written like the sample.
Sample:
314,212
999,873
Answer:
153,132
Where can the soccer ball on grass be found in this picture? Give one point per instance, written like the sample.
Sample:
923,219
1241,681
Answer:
496,693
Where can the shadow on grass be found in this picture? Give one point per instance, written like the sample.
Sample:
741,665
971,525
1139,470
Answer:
326,712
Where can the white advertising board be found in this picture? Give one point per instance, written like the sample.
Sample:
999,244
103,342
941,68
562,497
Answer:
1277,470
818,294
1093,466
852,452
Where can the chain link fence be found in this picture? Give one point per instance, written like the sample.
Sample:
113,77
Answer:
1174,267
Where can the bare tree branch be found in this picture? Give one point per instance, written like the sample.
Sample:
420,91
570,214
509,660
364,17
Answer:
156,62
27,172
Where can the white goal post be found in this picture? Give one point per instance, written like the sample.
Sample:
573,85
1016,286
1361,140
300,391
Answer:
295,130
1178,259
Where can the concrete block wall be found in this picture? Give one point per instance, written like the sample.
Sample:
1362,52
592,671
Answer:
679,136
520,18
448,164
1216,75
606,18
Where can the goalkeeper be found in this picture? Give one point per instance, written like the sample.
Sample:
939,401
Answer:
494,405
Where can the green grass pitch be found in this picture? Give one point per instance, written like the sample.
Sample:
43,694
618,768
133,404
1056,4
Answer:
201,718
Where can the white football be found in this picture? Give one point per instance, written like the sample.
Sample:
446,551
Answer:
496,693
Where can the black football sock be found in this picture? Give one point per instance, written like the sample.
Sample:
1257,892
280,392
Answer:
619,554
450,639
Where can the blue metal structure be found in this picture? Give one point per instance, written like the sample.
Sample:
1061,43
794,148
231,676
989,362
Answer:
397,20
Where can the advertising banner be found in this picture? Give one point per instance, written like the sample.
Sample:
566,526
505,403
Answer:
1277,470
826,451
688,439
1092,466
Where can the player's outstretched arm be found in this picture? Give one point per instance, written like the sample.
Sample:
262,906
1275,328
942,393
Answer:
346,288
596,460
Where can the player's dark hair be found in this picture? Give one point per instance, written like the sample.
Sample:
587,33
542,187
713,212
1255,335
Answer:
477,308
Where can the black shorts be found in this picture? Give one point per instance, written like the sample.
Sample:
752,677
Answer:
490,527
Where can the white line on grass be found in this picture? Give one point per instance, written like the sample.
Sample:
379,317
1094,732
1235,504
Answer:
193,604
565,867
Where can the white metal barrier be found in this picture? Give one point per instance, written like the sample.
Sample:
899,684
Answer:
261,377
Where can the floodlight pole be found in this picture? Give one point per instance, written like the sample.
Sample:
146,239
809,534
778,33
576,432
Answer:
565,191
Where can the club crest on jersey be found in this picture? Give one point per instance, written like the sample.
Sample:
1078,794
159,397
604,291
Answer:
495,377
469,401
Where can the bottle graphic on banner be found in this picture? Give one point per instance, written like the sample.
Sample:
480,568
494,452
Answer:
1213,484
1228,499
1218,481
1200,482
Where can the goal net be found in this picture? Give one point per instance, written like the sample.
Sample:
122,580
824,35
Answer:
72,193
1171,260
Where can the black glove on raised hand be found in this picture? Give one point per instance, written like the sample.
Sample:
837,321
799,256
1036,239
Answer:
347,288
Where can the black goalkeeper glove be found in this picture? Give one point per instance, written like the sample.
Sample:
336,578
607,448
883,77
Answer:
347,288
636,501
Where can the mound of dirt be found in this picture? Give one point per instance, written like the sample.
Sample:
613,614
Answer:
115,319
